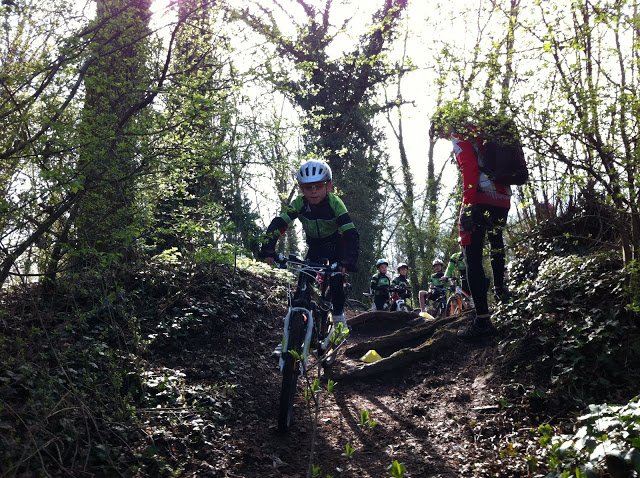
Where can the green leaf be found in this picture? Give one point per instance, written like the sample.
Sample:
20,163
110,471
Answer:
348,450
397,469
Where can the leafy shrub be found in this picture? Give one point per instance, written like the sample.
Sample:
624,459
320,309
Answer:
571,312
607,440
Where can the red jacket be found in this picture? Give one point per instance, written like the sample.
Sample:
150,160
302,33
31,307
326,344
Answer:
478,188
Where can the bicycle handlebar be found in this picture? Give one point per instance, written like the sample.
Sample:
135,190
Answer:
397,288
302,264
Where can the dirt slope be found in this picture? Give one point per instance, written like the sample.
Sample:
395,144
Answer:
212,393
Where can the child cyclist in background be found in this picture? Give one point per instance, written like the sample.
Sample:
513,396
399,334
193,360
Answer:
401,281
457,268
380,284
438,286
328,229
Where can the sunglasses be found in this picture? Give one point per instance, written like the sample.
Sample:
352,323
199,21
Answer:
313,186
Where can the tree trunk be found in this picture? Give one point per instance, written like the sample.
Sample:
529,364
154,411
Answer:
115,83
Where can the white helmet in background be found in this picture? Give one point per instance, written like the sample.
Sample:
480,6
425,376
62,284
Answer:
313,171
381,261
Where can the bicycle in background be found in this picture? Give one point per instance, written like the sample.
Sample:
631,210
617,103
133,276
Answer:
396,302
459,301
308,324
437,306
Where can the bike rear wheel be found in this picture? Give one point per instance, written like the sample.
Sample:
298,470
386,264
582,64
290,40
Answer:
290,371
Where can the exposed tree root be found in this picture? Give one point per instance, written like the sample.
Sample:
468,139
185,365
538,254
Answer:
437,336
377,315
422,331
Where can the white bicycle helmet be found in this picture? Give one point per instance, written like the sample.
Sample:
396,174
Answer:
437,261
402,264
313,171
379,262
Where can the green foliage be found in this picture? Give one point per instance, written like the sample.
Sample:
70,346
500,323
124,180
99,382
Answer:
316,471
223,253
397,469
366,420
573,310
633,290
464,118
167,257
312,390
339,334
348,450
63,369
607,440
455,114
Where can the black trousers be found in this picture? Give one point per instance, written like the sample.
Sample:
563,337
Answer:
476,222
380,301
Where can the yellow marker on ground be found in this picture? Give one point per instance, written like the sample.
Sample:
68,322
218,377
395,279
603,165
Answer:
370,357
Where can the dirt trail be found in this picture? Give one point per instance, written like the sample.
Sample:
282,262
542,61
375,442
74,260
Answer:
439,418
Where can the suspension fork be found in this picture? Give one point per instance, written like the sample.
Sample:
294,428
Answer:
300,299
308,313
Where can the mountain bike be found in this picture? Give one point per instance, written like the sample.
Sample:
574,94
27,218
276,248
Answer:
438,306
308,324
459,301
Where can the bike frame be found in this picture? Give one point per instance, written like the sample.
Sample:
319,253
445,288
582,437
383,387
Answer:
301,301
457,291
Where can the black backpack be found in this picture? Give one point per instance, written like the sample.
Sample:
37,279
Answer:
502,158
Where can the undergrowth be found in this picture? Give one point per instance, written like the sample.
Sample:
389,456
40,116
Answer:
570,332
64,383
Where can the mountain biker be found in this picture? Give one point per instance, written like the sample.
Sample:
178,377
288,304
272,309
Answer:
329,231
484,211
380,284
457,268
401,282
437,288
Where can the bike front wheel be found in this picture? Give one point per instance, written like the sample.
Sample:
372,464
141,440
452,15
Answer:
291,371
440,309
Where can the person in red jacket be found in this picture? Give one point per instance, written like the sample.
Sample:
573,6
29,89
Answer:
483,213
